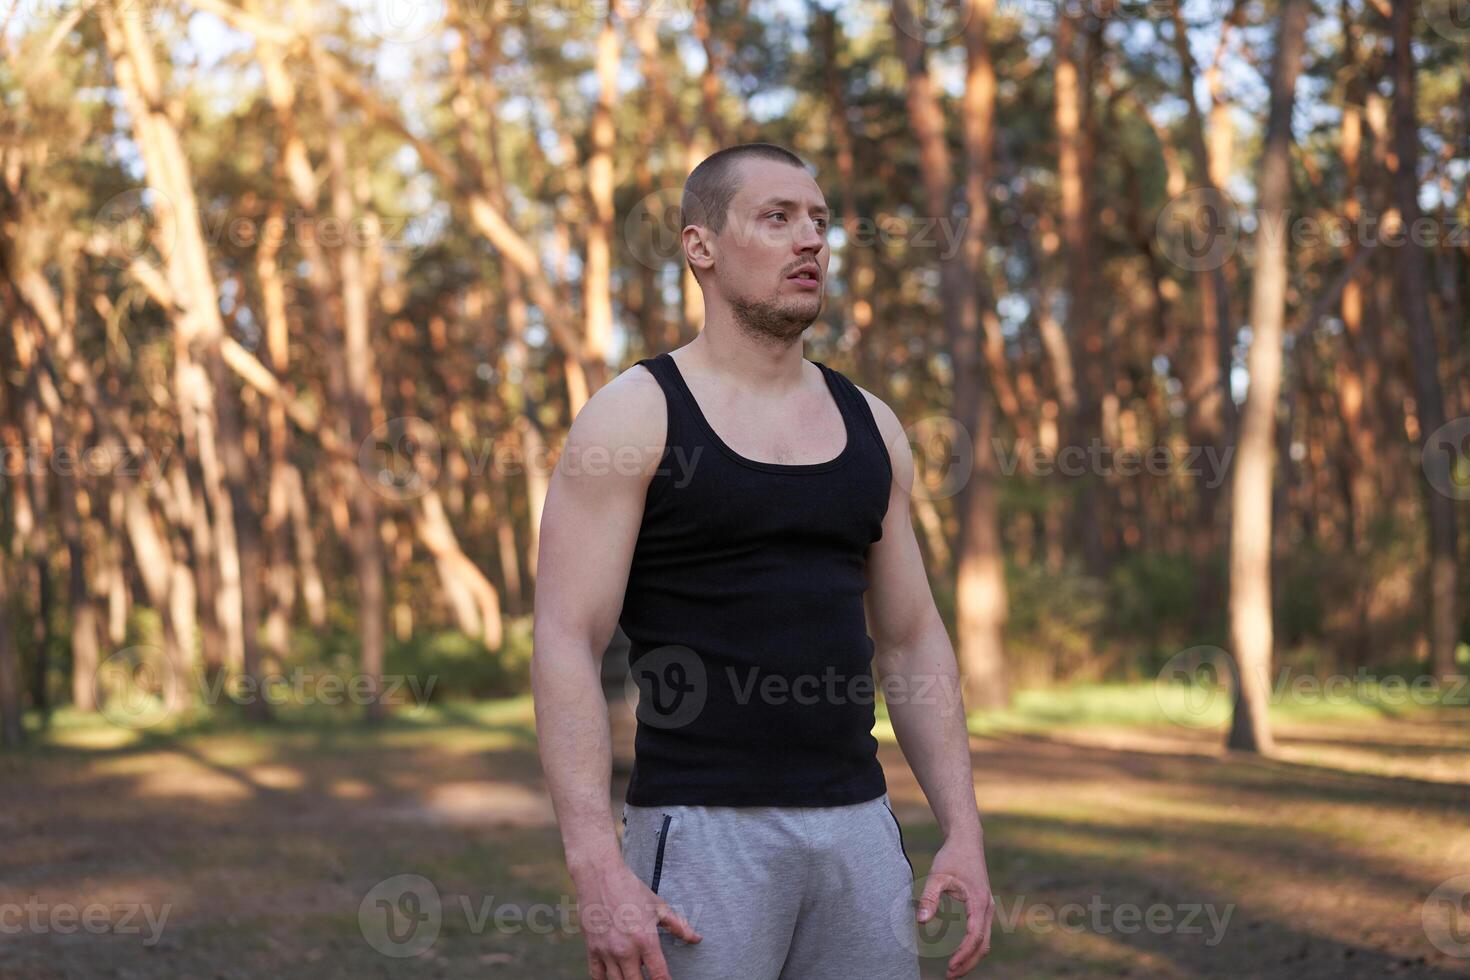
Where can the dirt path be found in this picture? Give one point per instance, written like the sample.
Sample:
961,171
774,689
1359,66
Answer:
1113,852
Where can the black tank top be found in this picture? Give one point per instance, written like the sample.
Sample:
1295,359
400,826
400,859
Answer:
744,605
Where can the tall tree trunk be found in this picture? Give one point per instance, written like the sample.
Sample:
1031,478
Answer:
980,601
279,575
1084,334
1357,369
857,254
12,732
1424,353
980,590
355,424
597,277
1206,370
207,399
472,598
505,542
1251,634
37,544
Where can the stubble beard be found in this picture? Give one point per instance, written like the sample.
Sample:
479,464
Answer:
774,320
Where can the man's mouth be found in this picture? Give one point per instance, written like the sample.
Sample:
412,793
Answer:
805,275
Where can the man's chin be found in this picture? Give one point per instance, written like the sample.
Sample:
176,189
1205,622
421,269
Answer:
786,319
806,306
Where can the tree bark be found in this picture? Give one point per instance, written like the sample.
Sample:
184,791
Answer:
1251,635
354,349
206,397
1414,290
1084,335
597,276
12,732
980,600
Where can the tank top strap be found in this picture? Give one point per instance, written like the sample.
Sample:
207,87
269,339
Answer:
659,367
856,407
681,427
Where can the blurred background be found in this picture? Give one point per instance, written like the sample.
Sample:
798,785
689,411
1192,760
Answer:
300,299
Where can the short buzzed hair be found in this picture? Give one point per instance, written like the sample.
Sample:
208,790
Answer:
711,186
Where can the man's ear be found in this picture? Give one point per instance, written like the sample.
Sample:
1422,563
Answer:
699,247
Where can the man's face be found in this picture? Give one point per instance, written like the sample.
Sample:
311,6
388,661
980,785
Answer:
771,258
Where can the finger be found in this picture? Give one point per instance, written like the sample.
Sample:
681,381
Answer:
658,967
677,924
961,961
929,900
595,967
963,957
969,962
610,968
631,966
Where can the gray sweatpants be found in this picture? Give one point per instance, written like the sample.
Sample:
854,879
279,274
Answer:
780,893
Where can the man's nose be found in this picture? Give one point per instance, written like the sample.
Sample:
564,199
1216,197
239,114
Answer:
809,239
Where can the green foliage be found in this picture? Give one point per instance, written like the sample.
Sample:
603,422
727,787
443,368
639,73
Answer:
1151,599
1056,623
1338,608
1067,625
460,667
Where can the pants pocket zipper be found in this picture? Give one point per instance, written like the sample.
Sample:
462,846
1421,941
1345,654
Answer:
658,860
899,827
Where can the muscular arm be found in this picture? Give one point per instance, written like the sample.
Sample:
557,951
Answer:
915,659
589,527
916,664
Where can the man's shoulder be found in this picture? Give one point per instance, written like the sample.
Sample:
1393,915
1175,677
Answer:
628,411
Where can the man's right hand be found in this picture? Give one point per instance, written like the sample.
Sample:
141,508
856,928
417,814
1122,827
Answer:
620,916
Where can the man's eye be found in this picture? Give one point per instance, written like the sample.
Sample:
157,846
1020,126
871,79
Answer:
776,214
822,223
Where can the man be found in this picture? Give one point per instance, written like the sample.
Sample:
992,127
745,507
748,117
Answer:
744,514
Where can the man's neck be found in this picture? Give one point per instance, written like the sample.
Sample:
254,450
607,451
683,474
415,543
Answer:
754,364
